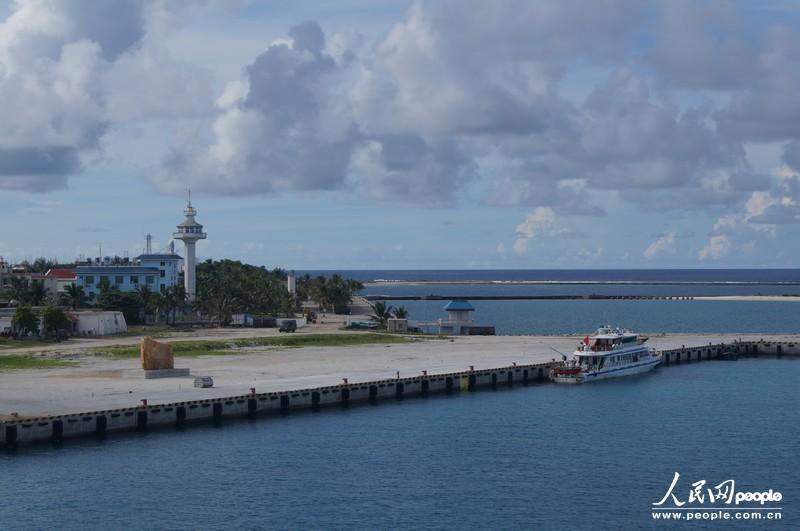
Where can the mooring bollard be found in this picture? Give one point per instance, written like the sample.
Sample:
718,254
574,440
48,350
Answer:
144,402
252,390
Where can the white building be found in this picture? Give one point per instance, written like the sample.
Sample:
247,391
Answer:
459,322
97,323
189,231
57,280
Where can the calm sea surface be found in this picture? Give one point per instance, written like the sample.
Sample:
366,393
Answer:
762,276
538,457
570,316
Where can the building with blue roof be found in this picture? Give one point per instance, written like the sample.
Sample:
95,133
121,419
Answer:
168,265
459,321
156,271
122,278
458,311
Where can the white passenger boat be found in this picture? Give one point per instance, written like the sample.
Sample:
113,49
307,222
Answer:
608,353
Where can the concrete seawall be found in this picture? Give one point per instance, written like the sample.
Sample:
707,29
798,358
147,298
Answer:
98,423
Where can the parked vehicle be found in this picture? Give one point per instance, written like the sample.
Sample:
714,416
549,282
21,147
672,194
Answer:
290,325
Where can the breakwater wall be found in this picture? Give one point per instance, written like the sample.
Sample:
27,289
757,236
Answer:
56,428
689,354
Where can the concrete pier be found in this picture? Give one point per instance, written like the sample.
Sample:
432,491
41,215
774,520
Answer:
56,428
143,417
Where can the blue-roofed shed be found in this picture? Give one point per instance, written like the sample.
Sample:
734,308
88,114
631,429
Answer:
459,306
458,322
458,311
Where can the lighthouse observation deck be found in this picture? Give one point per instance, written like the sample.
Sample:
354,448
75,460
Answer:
189,229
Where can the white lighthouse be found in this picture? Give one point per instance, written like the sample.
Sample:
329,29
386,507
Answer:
189,231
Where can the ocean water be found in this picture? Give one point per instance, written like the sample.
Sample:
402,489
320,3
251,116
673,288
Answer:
583,316
538,457
646,316
760,276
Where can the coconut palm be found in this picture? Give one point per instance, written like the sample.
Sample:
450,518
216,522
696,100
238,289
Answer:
104,286
75,296
18,289
146,299
37,293
381,313
175,298
400,312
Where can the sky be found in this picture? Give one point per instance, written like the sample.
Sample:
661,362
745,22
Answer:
405,135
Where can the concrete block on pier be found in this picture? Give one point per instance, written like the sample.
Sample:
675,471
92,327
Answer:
204,381
165,373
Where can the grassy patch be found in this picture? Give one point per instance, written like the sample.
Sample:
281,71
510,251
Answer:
7,343
321,340
222,347
150,330
32,362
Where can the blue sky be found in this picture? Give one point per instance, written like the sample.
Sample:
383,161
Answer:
321,135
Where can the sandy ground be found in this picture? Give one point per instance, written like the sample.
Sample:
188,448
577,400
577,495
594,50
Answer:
99,383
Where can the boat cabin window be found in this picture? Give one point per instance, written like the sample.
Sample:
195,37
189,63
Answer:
602,345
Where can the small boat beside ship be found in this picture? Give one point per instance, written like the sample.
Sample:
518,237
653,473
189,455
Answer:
608,353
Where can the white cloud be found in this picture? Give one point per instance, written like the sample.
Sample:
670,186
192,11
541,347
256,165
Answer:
69,73
540,222
458,99
726,222
664,244
717,247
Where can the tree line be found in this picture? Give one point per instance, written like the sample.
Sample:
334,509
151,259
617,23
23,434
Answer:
225,288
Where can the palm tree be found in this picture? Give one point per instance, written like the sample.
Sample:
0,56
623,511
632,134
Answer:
18,289
381,313
175,297
104,285
158,304
75,296
37,292
319,293
146,298
400,312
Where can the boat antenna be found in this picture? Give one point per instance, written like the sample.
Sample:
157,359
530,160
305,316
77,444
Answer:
563,356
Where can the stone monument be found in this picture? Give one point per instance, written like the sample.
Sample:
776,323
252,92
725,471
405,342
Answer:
158,360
